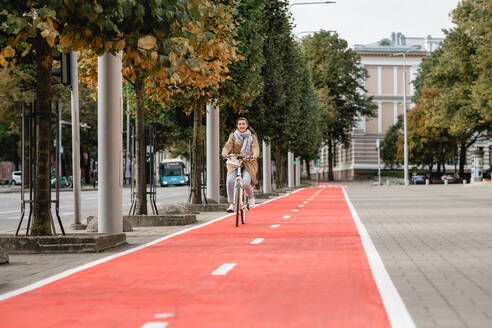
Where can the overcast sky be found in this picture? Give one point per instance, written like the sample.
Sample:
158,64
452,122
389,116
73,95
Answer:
367,21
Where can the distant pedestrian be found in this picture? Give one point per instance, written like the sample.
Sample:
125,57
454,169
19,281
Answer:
94,178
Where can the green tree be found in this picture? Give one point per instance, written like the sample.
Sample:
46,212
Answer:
473,16
270,111
338,79
389,146
427,143
455,75
308,128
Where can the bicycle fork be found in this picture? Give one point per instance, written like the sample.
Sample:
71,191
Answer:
238,182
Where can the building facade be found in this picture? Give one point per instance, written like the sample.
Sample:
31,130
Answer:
385,65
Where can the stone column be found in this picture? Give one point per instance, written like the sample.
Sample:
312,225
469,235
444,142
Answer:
290,169
298,171
75,138
267,168
110,144
213,160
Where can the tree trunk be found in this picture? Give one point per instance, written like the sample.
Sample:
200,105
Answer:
283,169
41,219
26,169
330,161
278,168
462,160
431,166
223,171
308,169
140,164
438,168
196,189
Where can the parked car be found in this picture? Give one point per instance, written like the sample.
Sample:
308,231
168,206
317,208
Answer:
418,178
16,178
451,178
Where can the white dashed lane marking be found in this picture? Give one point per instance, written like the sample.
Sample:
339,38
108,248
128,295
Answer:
155,325
300,205
163,315
257,241
286,217
223,269
275,226
295,210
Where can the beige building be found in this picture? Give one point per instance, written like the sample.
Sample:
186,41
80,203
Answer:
385,66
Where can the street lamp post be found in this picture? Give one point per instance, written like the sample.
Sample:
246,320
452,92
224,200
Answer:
405,136
310,3
308,32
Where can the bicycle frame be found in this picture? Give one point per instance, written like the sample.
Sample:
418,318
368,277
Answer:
241,203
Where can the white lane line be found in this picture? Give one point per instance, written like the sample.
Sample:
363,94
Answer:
275,226
10,212
14,217
223,269
300,205
295,210
395,308
306,202
70,272
257,241
286,217
67,213
155,325
163,315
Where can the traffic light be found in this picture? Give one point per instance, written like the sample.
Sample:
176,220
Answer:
294,162
318,160
63,73
148,158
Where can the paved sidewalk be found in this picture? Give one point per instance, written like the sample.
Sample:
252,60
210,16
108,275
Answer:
25,269
436,244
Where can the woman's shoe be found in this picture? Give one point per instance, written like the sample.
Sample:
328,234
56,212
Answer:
230,209
251,203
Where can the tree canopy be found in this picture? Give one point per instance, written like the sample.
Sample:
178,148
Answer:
338,78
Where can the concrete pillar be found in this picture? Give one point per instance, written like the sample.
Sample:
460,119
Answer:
75,138
267,167
110,144
290,169
298,171
213,161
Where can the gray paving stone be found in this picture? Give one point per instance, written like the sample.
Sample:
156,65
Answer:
440,239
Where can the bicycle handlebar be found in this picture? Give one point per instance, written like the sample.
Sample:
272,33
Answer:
238,157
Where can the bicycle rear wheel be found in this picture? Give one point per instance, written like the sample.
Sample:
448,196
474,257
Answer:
238,203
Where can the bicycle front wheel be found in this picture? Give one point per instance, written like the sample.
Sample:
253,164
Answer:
238,203
244,210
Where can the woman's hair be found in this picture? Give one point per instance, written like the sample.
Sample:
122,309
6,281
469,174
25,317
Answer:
246,120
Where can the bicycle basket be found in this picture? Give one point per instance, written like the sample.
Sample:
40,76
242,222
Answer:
233,161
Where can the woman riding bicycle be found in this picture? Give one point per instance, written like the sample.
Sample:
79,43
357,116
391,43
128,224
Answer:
242,141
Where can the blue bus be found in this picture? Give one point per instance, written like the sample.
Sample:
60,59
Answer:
172,172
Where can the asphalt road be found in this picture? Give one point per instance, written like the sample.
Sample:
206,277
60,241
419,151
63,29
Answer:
10,205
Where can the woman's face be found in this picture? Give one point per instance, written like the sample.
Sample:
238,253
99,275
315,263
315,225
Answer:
242,125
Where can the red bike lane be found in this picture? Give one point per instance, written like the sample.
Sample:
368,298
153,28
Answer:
298,262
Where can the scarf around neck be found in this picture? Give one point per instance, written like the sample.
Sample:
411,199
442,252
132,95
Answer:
245,139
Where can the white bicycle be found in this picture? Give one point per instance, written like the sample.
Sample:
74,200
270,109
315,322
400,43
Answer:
241,204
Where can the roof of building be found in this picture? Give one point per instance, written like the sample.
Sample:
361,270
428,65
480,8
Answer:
413,46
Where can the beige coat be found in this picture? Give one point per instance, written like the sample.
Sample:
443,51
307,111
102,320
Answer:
251,166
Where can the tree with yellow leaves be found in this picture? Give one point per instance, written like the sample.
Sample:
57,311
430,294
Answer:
143,29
